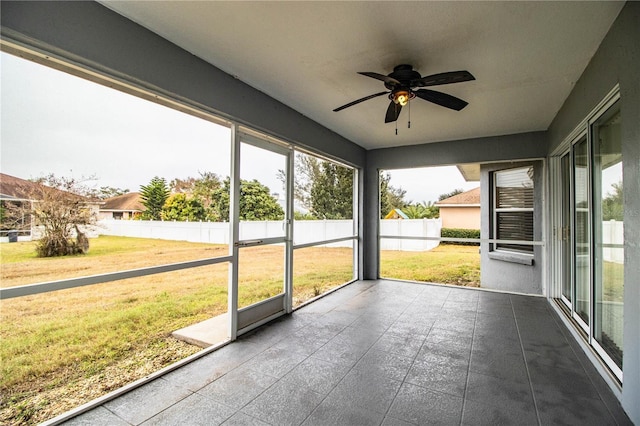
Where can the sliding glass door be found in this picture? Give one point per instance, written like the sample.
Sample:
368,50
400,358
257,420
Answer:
589,229
564,231
608,234
582,232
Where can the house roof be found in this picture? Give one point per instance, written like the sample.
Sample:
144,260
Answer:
125,202
12,187
471,197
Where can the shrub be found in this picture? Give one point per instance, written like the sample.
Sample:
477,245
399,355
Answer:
459,233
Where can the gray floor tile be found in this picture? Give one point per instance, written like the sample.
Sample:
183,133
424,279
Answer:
335,412
507,395
357,336
97,416
467,309
144,402
284,404
205,370
241,419
324,328
495,309
554,357
342,317
505,365
449,338
265,336
457,351
275,362
463,294
557,408
191,411
497,343
439,373
490,324
413,327
340,353
385,364
484,414
316,374
408,346
375,323
392,421
238,387
374,393
421,406
461,325
568,382
300,344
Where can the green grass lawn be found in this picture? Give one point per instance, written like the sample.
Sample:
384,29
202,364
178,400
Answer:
445,264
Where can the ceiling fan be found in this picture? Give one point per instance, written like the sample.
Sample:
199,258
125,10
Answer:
401,84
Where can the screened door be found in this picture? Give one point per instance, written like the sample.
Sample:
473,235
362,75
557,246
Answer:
261,246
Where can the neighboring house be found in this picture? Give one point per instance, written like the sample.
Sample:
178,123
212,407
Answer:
15,192
461,210
23,194
122,207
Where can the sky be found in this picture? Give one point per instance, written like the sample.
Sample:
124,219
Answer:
53,122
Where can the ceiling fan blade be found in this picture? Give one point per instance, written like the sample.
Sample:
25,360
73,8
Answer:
388,80
366,98
443,78
393,111
441,99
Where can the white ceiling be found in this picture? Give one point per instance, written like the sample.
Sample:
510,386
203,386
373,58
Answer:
526,57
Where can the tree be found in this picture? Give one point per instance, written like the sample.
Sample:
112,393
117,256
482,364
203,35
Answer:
256,202
314,174
331,193
205,189
450,194
153,197
390,197
612,204
307,170
60,207
105,192
424,210
181,207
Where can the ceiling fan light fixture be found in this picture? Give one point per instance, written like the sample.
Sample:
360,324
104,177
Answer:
402,97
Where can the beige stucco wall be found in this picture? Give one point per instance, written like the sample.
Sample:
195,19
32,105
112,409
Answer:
460,217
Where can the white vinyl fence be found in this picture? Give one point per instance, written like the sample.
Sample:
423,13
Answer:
305,231
410,228
613,235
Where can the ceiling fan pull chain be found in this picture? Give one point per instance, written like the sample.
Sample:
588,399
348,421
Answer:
409,122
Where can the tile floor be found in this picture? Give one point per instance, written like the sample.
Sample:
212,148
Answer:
385,353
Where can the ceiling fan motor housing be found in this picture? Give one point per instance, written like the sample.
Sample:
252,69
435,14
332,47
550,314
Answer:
404,74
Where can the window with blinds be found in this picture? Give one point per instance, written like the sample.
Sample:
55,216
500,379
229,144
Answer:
513,208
